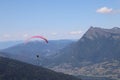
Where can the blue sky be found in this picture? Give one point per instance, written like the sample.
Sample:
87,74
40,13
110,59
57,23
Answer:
55,19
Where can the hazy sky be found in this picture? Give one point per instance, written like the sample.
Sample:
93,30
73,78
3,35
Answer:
55,19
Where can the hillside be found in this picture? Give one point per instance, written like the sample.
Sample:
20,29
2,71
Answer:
27,52
6,44
15,70
97,53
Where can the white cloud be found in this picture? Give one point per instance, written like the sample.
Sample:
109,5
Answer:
54,33
25,35
104,10
6,36
75,32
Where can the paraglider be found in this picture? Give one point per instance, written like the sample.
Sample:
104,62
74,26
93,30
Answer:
37,56
41,37
38,60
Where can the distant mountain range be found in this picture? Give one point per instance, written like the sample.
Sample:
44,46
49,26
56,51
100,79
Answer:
27,52
97,53
6,44
15,70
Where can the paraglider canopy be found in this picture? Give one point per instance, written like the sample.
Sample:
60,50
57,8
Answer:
41,37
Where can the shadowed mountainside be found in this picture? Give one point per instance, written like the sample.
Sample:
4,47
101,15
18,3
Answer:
15,70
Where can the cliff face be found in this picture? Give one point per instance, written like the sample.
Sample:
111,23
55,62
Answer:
96,45
92,54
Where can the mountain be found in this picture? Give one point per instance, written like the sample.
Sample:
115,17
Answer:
97,53
27,52
15,70
94,78
6,44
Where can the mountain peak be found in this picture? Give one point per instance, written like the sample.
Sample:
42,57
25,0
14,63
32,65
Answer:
92,32
95,32
115,28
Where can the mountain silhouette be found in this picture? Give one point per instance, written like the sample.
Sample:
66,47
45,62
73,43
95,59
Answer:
16,70
97,53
